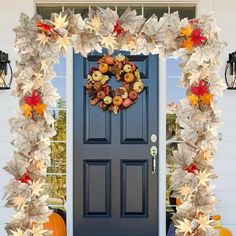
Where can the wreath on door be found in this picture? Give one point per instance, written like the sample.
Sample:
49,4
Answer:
114,99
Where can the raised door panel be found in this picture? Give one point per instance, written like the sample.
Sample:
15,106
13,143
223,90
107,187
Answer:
134,121
97,188
134,189
97,125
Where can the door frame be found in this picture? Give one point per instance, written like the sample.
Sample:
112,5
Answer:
161,144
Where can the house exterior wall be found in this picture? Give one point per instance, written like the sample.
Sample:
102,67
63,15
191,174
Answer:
226,159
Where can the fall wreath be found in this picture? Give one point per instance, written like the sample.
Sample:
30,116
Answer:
102,94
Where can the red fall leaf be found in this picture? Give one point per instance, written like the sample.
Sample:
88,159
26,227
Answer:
25,178
192,169
200,89
34,99
118,29
45,27
197,38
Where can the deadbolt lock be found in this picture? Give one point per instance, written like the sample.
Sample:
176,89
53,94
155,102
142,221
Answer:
153,138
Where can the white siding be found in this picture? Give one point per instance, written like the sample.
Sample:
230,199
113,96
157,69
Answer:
226,159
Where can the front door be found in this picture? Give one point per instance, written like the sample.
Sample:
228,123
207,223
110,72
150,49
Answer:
115,191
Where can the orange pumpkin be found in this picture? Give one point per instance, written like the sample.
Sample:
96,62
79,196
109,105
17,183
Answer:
103,67
216,217
56,224
129,77
224,232
108,59
117,100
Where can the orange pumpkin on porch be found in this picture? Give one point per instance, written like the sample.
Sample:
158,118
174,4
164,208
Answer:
224,232
56,224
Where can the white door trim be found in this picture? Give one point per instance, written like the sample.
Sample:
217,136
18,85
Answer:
117,2
162,148
69,141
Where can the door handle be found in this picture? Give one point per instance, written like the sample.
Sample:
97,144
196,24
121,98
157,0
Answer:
153,152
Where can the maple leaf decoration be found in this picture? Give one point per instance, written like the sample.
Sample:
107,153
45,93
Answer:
188,44
205,154
207,98
197,38
37,187
187,31
27,110
25,178
200,89
203,178
60,22
193,99
44,27
63,42
38,230
192,37
19,202
109,42
38,165
40,108
17,232
185,190
184,227
118,29
34,99
204,223
43,39
95,23
192,169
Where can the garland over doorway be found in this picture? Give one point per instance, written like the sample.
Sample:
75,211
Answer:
40,43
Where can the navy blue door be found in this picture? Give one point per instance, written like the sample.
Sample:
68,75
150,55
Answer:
115,192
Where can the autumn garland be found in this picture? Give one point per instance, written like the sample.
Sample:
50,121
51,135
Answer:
40,43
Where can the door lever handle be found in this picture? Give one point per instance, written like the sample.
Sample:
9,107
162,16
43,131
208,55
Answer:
153,152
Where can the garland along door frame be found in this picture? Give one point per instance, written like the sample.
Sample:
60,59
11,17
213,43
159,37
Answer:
162,121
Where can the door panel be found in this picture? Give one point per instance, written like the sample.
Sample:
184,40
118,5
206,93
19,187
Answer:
97,125
134,185
115,192
97,188
135,132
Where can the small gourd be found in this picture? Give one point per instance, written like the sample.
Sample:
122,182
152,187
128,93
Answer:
222,230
